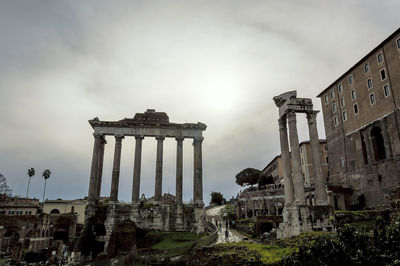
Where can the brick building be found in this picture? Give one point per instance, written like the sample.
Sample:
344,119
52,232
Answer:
361,119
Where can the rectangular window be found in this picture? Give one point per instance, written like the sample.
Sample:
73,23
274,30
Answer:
398,43
342,161
342,102
366,68
326,99
380,58
372,98
369,84
28,212
386,90
355,106
333,107
332,94
19,212
335,121
383,74
344,115
11,212
353,95
351,80
326,160
340,88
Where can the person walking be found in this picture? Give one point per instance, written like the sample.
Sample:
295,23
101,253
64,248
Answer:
226,235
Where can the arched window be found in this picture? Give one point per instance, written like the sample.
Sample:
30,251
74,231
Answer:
378,144
55,211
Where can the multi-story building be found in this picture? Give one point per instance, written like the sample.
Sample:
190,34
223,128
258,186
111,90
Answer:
274,168
60,206
361,115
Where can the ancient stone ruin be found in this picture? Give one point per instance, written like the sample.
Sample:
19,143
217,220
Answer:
298,217
157,214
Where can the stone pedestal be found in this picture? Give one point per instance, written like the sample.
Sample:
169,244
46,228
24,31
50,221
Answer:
299,219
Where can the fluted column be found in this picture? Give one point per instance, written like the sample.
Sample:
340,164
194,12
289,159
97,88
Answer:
100,168
285,156
159,166
319,178
116,168
179,169
137,168
298,179
93,170
198,171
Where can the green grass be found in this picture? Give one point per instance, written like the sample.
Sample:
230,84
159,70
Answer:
268,253
175,243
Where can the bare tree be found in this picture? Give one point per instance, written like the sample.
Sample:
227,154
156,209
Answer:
4,188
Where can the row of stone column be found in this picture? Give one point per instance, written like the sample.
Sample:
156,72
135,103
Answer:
291,162
97,169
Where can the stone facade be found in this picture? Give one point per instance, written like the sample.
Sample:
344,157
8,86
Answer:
59,206
33,231
361,117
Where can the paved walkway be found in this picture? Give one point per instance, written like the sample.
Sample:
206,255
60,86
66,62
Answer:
214,214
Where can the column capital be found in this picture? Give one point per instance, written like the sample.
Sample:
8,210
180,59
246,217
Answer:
139,137
160,138
97,135
282,123
312,117
119,137
291,116
197,140
179,139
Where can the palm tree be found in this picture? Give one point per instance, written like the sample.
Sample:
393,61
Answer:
46,175
31,172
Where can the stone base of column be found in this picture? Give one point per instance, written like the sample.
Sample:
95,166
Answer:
303,219
179,226
90,211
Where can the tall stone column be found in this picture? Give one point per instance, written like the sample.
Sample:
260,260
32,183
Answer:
198,171
286,167
159,166
179,169
116,168
137,168
298,179
100,168
319,179
93,170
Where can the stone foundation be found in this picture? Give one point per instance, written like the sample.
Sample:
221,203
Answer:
163,217
302,219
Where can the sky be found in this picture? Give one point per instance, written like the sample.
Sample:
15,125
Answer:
216,62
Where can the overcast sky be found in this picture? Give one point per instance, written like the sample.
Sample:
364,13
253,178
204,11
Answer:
217,62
